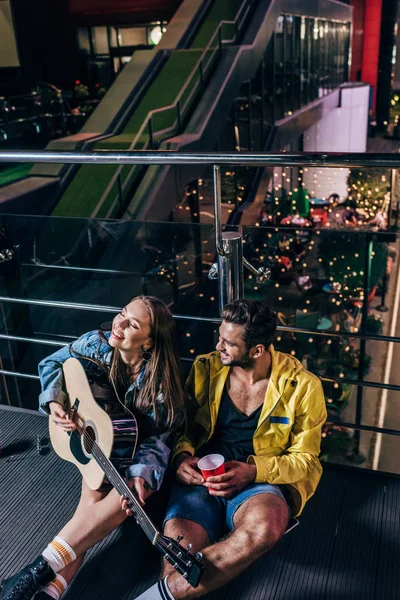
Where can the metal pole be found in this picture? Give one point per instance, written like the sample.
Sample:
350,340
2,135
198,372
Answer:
392,196
382,307
262,103
230,269
273,77
168,157
229,250
249,114
357,457
217,209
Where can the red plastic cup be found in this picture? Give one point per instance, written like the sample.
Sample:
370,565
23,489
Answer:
211,465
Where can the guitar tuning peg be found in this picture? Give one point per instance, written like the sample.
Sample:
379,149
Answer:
189,547
179,538
198,555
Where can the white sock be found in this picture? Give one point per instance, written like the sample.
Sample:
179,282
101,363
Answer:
158,591
56,588
58,554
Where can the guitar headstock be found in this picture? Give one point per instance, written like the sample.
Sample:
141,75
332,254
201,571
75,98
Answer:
183,561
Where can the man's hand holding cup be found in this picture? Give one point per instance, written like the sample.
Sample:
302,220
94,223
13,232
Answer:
234,477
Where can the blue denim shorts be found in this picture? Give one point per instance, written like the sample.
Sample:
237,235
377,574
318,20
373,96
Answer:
213,513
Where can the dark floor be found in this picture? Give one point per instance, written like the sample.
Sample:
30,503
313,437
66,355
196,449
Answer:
346,547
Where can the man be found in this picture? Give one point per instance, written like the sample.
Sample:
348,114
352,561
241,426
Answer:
264,412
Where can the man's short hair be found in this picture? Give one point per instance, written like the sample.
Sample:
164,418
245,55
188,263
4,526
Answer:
258,320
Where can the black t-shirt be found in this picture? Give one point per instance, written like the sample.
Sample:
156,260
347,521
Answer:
234,431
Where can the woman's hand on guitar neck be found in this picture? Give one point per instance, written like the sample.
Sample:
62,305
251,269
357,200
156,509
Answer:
59,417
142,491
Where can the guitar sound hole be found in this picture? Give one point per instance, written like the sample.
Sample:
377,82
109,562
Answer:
89,437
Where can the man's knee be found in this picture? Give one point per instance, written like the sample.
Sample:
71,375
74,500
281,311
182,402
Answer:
262,524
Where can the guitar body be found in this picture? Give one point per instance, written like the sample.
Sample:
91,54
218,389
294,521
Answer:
95,424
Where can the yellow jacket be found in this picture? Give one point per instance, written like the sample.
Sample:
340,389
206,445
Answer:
288,435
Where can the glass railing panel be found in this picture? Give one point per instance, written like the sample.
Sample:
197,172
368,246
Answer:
323,271
313,288
106,262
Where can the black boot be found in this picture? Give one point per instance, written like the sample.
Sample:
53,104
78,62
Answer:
26,582
42,596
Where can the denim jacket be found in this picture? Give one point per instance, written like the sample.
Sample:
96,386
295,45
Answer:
151,458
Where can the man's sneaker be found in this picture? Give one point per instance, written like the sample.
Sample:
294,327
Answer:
26,582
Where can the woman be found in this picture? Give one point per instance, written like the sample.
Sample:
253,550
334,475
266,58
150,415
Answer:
139,358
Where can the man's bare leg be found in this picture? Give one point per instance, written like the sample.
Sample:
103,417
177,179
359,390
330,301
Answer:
259,524
193,533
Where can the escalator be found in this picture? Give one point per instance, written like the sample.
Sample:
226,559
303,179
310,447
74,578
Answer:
282,78
162,113
233,57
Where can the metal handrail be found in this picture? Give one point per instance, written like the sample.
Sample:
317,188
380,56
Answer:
164,157
215,320
17,338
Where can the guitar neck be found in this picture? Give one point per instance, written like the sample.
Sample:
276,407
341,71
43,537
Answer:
122,488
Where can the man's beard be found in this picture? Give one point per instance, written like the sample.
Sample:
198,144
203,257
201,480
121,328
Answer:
245,361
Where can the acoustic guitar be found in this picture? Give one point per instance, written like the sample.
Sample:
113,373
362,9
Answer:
89,447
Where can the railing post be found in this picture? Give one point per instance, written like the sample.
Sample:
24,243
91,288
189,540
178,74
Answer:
230,268
230,252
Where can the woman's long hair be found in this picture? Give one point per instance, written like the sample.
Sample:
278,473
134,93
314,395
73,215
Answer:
162,372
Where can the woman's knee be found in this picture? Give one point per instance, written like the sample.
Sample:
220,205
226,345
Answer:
89,497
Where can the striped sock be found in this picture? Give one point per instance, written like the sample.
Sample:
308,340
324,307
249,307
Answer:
59,554
158,591
56,588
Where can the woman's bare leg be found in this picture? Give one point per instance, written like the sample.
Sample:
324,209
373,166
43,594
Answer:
90,524
87,499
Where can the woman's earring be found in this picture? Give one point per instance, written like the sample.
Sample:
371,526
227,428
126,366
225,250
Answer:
146,354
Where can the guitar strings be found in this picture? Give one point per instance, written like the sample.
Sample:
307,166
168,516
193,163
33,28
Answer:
149,529
114,474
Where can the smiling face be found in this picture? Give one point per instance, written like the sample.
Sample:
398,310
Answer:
131,330
232,348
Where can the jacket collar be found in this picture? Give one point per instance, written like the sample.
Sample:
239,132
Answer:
283,370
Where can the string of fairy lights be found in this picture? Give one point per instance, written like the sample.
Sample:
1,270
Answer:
340,262
335,257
